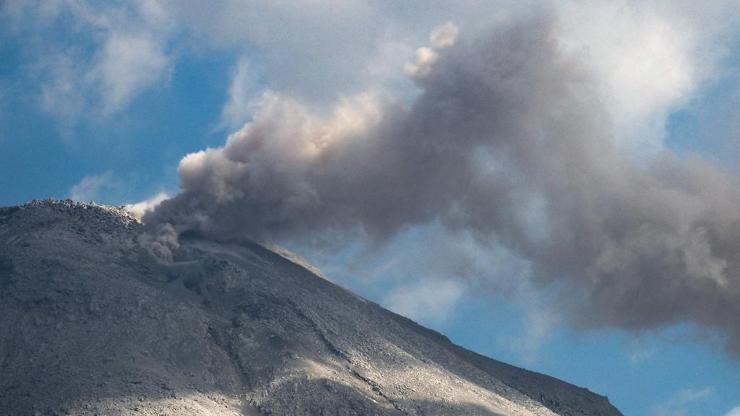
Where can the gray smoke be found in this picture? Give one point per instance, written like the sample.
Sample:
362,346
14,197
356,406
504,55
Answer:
507,140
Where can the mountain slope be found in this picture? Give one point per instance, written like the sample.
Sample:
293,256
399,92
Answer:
98,317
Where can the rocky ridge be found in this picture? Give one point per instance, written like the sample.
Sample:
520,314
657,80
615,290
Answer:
99,317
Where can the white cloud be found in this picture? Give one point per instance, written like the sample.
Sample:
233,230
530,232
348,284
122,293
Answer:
652,57
242,97
92,58
94,187
106,188
130,52
62,88
127,65
309,48
680,403
734,412
540,322
650,62
427,301
640,349
139,209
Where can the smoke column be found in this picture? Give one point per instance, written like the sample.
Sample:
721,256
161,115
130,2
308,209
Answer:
507,140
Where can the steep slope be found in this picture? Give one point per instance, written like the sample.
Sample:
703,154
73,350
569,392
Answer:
98,317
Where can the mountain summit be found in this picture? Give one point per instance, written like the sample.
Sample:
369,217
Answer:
99,317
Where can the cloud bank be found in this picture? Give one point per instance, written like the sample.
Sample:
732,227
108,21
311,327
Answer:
510,140
90,57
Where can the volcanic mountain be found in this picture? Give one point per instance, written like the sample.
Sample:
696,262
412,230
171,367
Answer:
100,317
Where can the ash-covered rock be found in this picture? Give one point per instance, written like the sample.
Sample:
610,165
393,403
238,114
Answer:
94,322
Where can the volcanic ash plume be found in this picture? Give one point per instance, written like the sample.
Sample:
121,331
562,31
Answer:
507,140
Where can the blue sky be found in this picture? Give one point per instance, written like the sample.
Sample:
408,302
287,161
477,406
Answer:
102,100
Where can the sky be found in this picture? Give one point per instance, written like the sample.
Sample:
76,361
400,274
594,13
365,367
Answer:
550,183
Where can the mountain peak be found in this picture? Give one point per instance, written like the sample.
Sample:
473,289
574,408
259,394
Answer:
92,323
90,213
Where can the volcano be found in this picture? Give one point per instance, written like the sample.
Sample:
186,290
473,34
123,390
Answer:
101,316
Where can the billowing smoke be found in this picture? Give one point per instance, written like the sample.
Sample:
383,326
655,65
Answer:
507,140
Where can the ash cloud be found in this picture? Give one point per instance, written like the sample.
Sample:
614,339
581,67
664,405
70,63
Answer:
509,141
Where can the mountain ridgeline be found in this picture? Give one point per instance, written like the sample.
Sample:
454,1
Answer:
99,318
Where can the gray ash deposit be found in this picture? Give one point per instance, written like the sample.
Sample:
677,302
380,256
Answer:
99,318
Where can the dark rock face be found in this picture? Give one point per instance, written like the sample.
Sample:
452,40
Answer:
92,323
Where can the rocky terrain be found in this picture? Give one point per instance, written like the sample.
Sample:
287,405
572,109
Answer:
100,317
